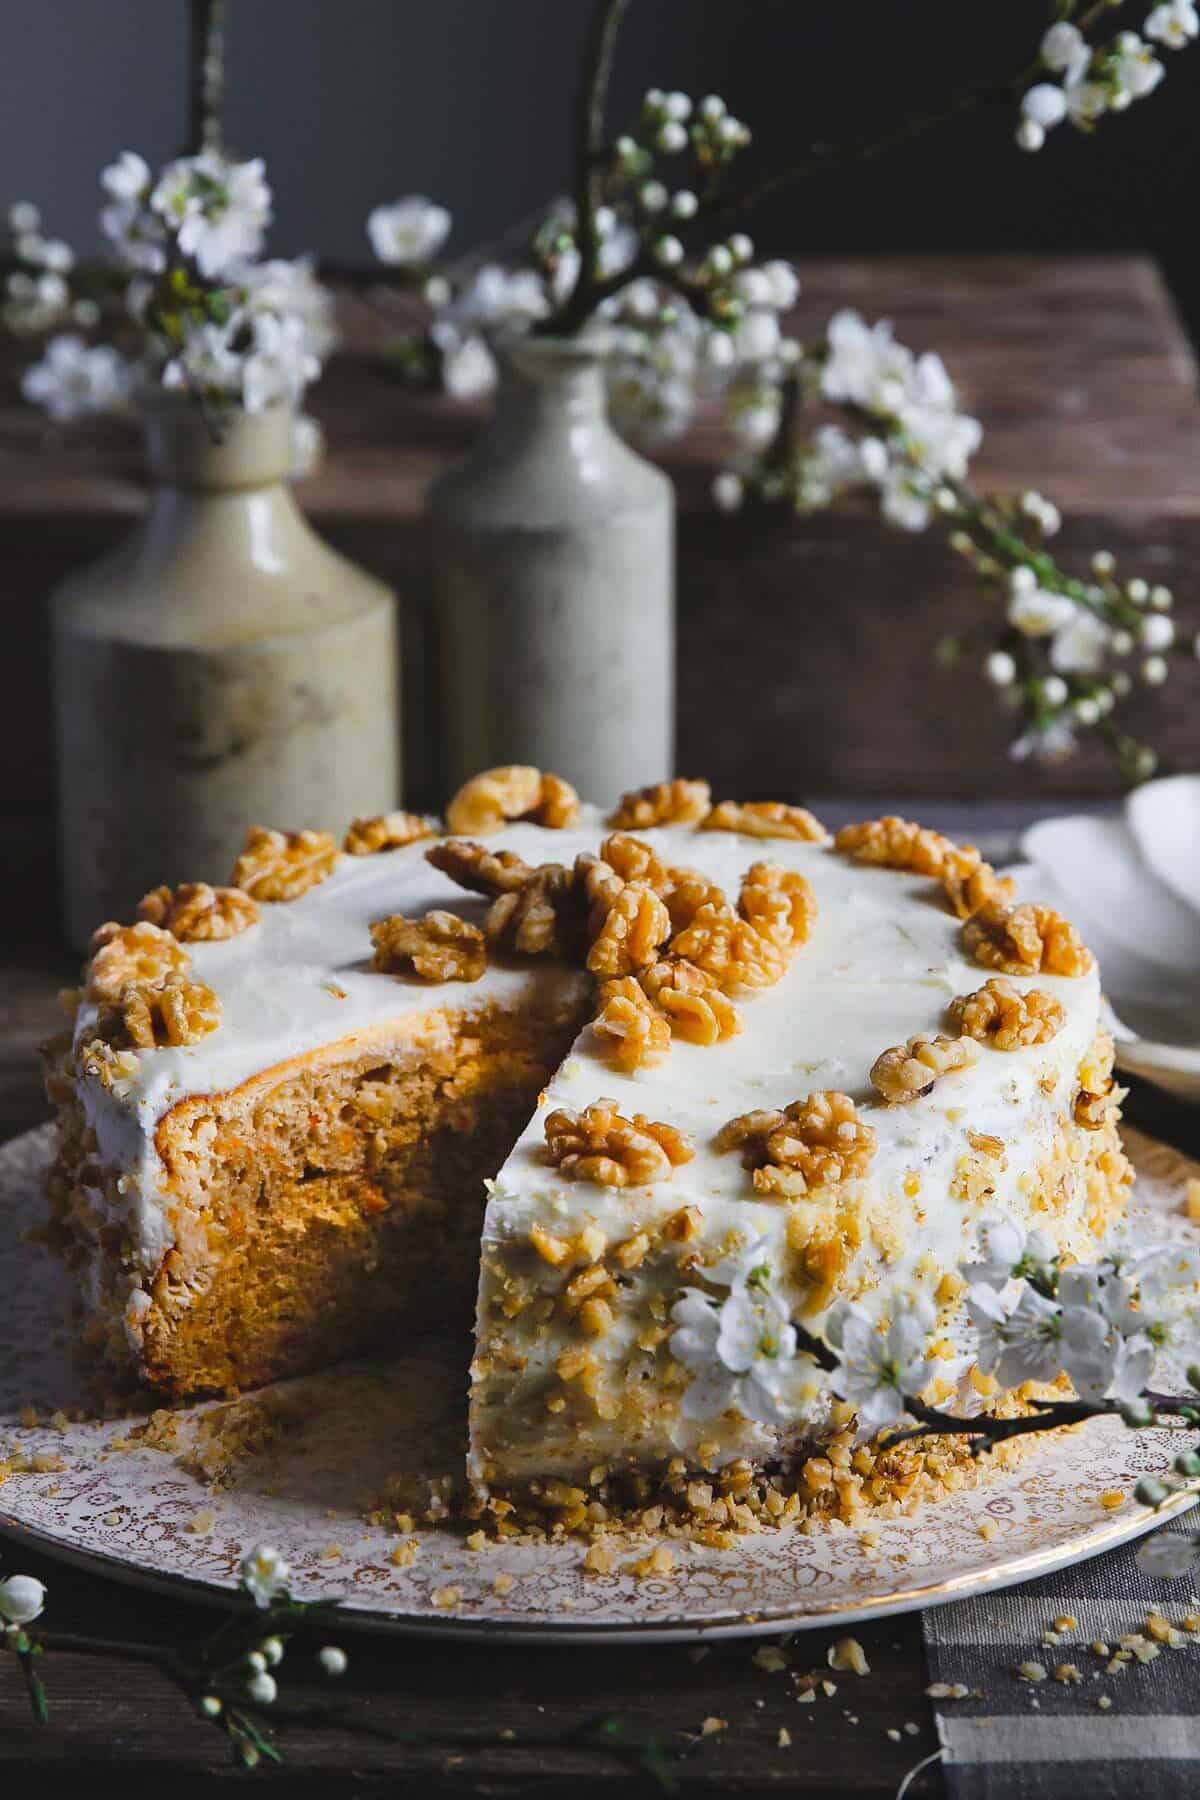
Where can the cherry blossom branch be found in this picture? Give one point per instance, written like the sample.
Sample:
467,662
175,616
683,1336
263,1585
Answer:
206,74
589,139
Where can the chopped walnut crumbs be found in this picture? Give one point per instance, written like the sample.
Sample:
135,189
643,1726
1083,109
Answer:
635,926
665,803
765,819
131,953
779,903
197,913
282,865
910,1069
815,1142
894,843
480,870
1025,940
600,1145
1007,1018
439,947
385,831
729,949
848,1657
514,791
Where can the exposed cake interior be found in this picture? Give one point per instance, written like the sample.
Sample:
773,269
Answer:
319,1208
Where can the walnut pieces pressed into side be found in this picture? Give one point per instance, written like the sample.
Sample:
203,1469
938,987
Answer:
600,1145
498,797
439,947
816,1142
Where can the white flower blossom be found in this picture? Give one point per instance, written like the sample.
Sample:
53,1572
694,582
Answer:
1174,23
291,290
865,366
1019,1340
22,1598
739,1349
75,380
1039,612
877,1369
216,209
1133,68
1045,104
1064,48
409,232
468,368
1079,646
264,1575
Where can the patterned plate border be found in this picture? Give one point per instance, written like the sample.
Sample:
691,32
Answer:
131,1513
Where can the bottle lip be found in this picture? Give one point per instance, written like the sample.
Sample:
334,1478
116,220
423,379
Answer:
531,354
251,450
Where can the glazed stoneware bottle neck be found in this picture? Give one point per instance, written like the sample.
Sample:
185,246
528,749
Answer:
232,452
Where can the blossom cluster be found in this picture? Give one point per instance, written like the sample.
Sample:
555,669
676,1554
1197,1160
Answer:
1095,79
741,1348
186,301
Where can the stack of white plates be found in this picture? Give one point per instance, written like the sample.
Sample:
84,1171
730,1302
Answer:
1132,885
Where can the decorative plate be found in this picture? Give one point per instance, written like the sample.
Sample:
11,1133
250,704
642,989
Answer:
174,1499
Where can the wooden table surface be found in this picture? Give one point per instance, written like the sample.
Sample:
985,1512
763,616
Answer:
128,1726
1086,385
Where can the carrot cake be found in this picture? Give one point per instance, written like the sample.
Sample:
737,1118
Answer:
599,1075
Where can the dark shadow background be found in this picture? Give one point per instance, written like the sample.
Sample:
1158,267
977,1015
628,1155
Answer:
356,101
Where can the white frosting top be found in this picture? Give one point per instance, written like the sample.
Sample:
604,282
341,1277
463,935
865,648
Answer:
882,962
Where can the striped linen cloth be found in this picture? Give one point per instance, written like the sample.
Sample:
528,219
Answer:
1044,1740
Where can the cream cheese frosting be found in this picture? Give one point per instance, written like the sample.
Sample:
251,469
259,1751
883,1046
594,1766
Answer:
882,962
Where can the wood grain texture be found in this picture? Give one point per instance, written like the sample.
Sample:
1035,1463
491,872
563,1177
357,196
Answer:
804,646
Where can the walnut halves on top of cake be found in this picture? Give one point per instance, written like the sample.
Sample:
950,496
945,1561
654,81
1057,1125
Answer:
912,1068
131,953
196,913
766,819
514,791
599,1144
1006,1017
439,947
676,802
385,831
282,865
1025,940
815,1142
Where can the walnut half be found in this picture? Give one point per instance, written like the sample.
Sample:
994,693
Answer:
126,953
439,947
1006,1017
815,1142
912,1068
765,819
1025,940
197,913
385,831
282,865
152,1015
600,1145
893,843
676,802
513,791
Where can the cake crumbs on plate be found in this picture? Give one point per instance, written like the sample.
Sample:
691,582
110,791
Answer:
477,1540
201,1522
712,1726
848,1657
1111,1498
784,1740
445,1598
405,1554
503,1584
770,1659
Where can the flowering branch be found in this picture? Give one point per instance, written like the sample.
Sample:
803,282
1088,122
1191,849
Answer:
589,130
206,74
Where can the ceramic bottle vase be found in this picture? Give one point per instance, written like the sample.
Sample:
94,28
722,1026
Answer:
223,667
554,585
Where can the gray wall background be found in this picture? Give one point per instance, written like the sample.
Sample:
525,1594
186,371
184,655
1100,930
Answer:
356,101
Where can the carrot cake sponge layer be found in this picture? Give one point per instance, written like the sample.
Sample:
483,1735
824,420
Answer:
715,1073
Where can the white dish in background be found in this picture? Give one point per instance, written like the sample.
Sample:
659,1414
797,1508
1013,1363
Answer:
1132,885
111,1503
